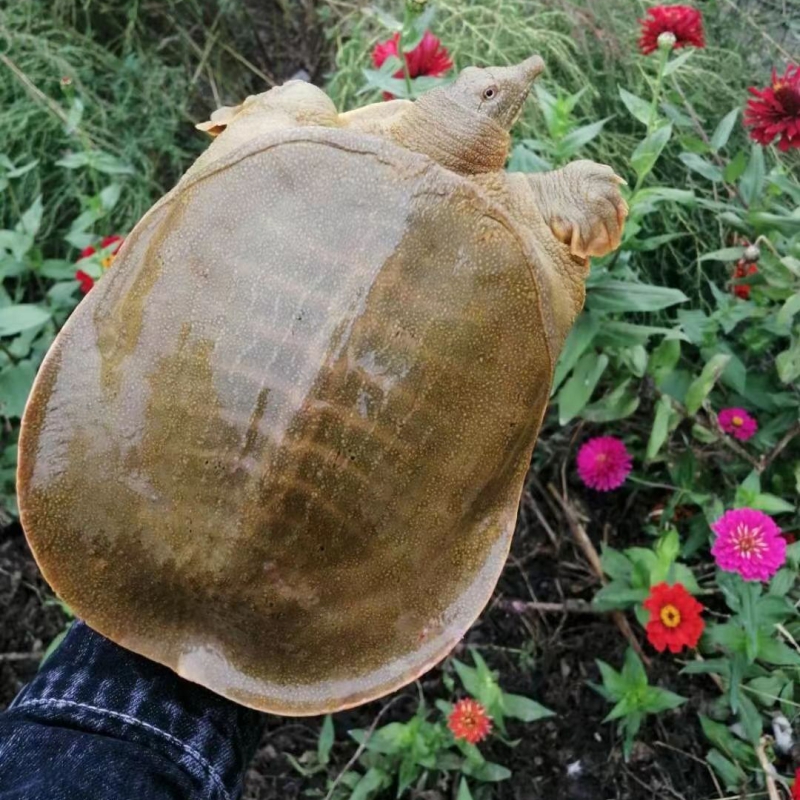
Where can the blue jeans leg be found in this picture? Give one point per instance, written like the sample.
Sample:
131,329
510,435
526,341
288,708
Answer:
102,723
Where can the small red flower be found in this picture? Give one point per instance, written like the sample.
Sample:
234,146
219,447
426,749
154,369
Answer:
429,57
86,281
775,111
684,22
105,242
675,620
469,721
742,270
796,785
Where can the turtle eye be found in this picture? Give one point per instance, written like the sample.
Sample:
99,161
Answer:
489,93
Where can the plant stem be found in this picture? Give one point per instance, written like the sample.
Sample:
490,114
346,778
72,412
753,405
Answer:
663,58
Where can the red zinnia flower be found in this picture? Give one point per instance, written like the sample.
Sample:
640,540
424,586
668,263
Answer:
775,110
106,241
675,620
87,281
469,721
604,463
684,22
429,57
742,270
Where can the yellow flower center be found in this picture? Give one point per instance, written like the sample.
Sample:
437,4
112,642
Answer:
737,421
106,262
670,616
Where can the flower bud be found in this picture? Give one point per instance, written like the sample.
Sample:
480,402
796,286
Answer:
752,253
666,40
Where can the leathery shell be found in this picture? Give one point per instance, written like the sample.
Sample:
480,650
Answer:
280,447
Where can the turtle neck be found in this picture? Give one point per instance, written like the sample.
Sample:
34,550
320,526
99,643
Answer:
457,138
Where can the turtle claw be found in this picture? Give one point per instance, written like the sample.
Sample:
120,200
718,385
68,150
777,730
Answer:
589,212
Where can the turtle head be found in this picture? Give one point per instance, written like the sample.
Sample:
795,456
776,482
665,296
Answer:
496,92
464,126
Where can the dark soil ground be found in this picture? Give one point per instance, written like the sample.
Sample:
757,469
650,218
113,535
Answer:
548,656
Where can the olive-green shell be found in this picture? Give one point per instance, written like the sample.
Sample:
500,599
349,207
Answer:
280,446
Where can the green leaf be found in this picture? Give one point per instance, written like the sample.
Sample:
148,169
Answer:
469,677
487,771
788,363
32,218
660,429
463,791
735,167
618,594
523,159
615,564
617,404
22,317
577,390
638,106
616,295
579,137
633,669
524,708
579,338
649,149
723,131
730,774
325,742
782,582
413,32
752,179
96,159
702,166
614,685
788,310
664,359
657,700
725,254
676,63
700,388
15,385
750,718
368,786
771,504
774,651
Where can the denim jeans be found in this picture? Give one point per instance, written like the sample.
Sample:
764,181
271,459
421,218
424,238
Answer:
101,723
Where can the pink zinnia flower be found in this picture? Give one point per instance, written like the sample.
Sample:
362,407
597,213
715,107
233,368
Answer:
738,423
750,543
604,463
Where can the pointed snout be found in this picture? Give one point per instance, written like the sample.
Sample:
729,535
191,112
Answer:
531,68
521,75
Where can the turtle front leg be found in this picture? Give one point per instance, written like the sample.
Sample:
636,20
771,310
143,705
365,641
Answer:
582,205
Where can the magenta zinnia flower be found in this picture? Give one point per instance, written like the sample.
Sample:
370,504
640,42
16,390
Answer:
738,423
750,543
604,463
